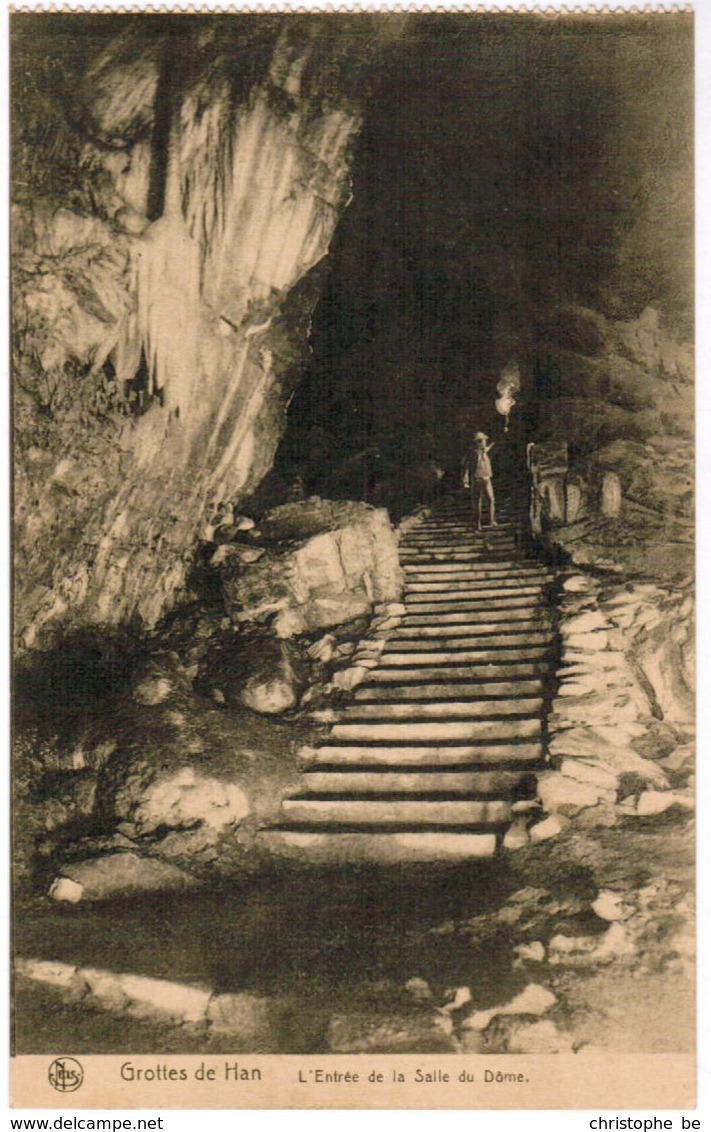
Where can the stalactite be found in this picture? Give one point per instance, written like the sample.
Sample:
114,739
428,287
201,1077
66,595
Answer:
168,287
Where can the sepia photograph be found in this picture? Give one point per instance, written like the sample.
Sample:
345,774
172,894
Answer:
352,407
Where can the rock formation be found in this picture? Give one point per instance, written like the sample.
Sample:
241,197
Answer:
163,298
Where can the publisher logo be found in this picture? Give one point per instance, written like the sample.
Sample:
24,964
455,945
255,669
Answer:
65,1074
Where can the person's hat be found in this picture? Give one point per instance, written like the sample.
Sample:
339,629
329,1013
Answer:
480,436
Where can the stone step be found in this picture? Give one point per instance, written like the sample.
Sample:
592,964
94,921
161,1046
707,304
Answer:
467,518
452,631
420,674
396,692
449,710
519,570
429,640
455,560
470,603
448,536
458,657
455,543
471,583
456,525
462,510
496,624
474,589
473,615
479,782
458,536
458,539
341,848
523,572
452,558
464,521
485,570
464,556
506,754
395,811
439,731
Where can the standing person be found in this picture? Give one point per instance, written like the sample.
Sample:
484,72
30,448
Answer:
478,477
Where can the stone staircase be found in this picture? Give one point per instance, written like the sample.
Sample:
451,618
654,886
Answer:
442,738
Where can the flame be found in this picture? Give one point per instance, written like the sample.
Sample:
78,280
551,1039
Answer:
509,384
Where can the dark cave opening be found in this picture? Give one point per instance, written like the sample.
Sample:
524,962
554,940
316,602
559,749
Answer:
495,183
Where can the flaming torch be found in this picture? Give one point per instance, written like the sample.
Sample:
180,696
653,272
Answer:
508,387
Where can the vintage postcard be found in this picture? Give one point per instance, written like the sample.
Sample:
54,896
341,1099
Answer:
353,486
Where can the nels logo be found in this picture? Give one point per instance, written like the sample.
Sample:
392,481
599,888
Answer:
65,1074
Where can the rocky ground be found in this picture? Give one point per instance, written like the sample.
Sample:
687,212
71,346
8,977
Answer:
579,936
560,947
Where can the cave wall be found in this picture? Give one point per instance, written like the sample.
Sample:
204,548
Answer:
211,294
542,211
540,207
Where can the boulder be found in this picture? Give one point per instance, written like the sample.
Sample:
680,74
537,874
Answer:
590,773
544,830
47,971
536,1037
534,999
184,798
119,874
610,906
270,687
349,678
244,555
610,747
560,794
584,951
589,622
326,563
321,613
615,944
324,649
162,1000
419,989
66,891
268,697
578,583
104,989
652,802
517,835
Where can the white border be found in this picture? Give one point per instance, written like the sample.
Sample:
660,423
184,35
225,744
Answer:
509,1121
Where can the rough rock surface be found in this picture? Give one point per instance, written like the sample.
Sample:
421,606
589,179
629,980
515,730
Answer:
622,708
270,687
111,496
329,563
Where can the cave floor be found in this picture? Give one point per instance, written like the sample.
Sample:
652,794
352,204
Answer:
346,942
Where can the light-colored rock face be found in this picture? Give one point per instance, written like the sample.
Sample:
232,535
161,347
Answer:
332,577
619,723
217,295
